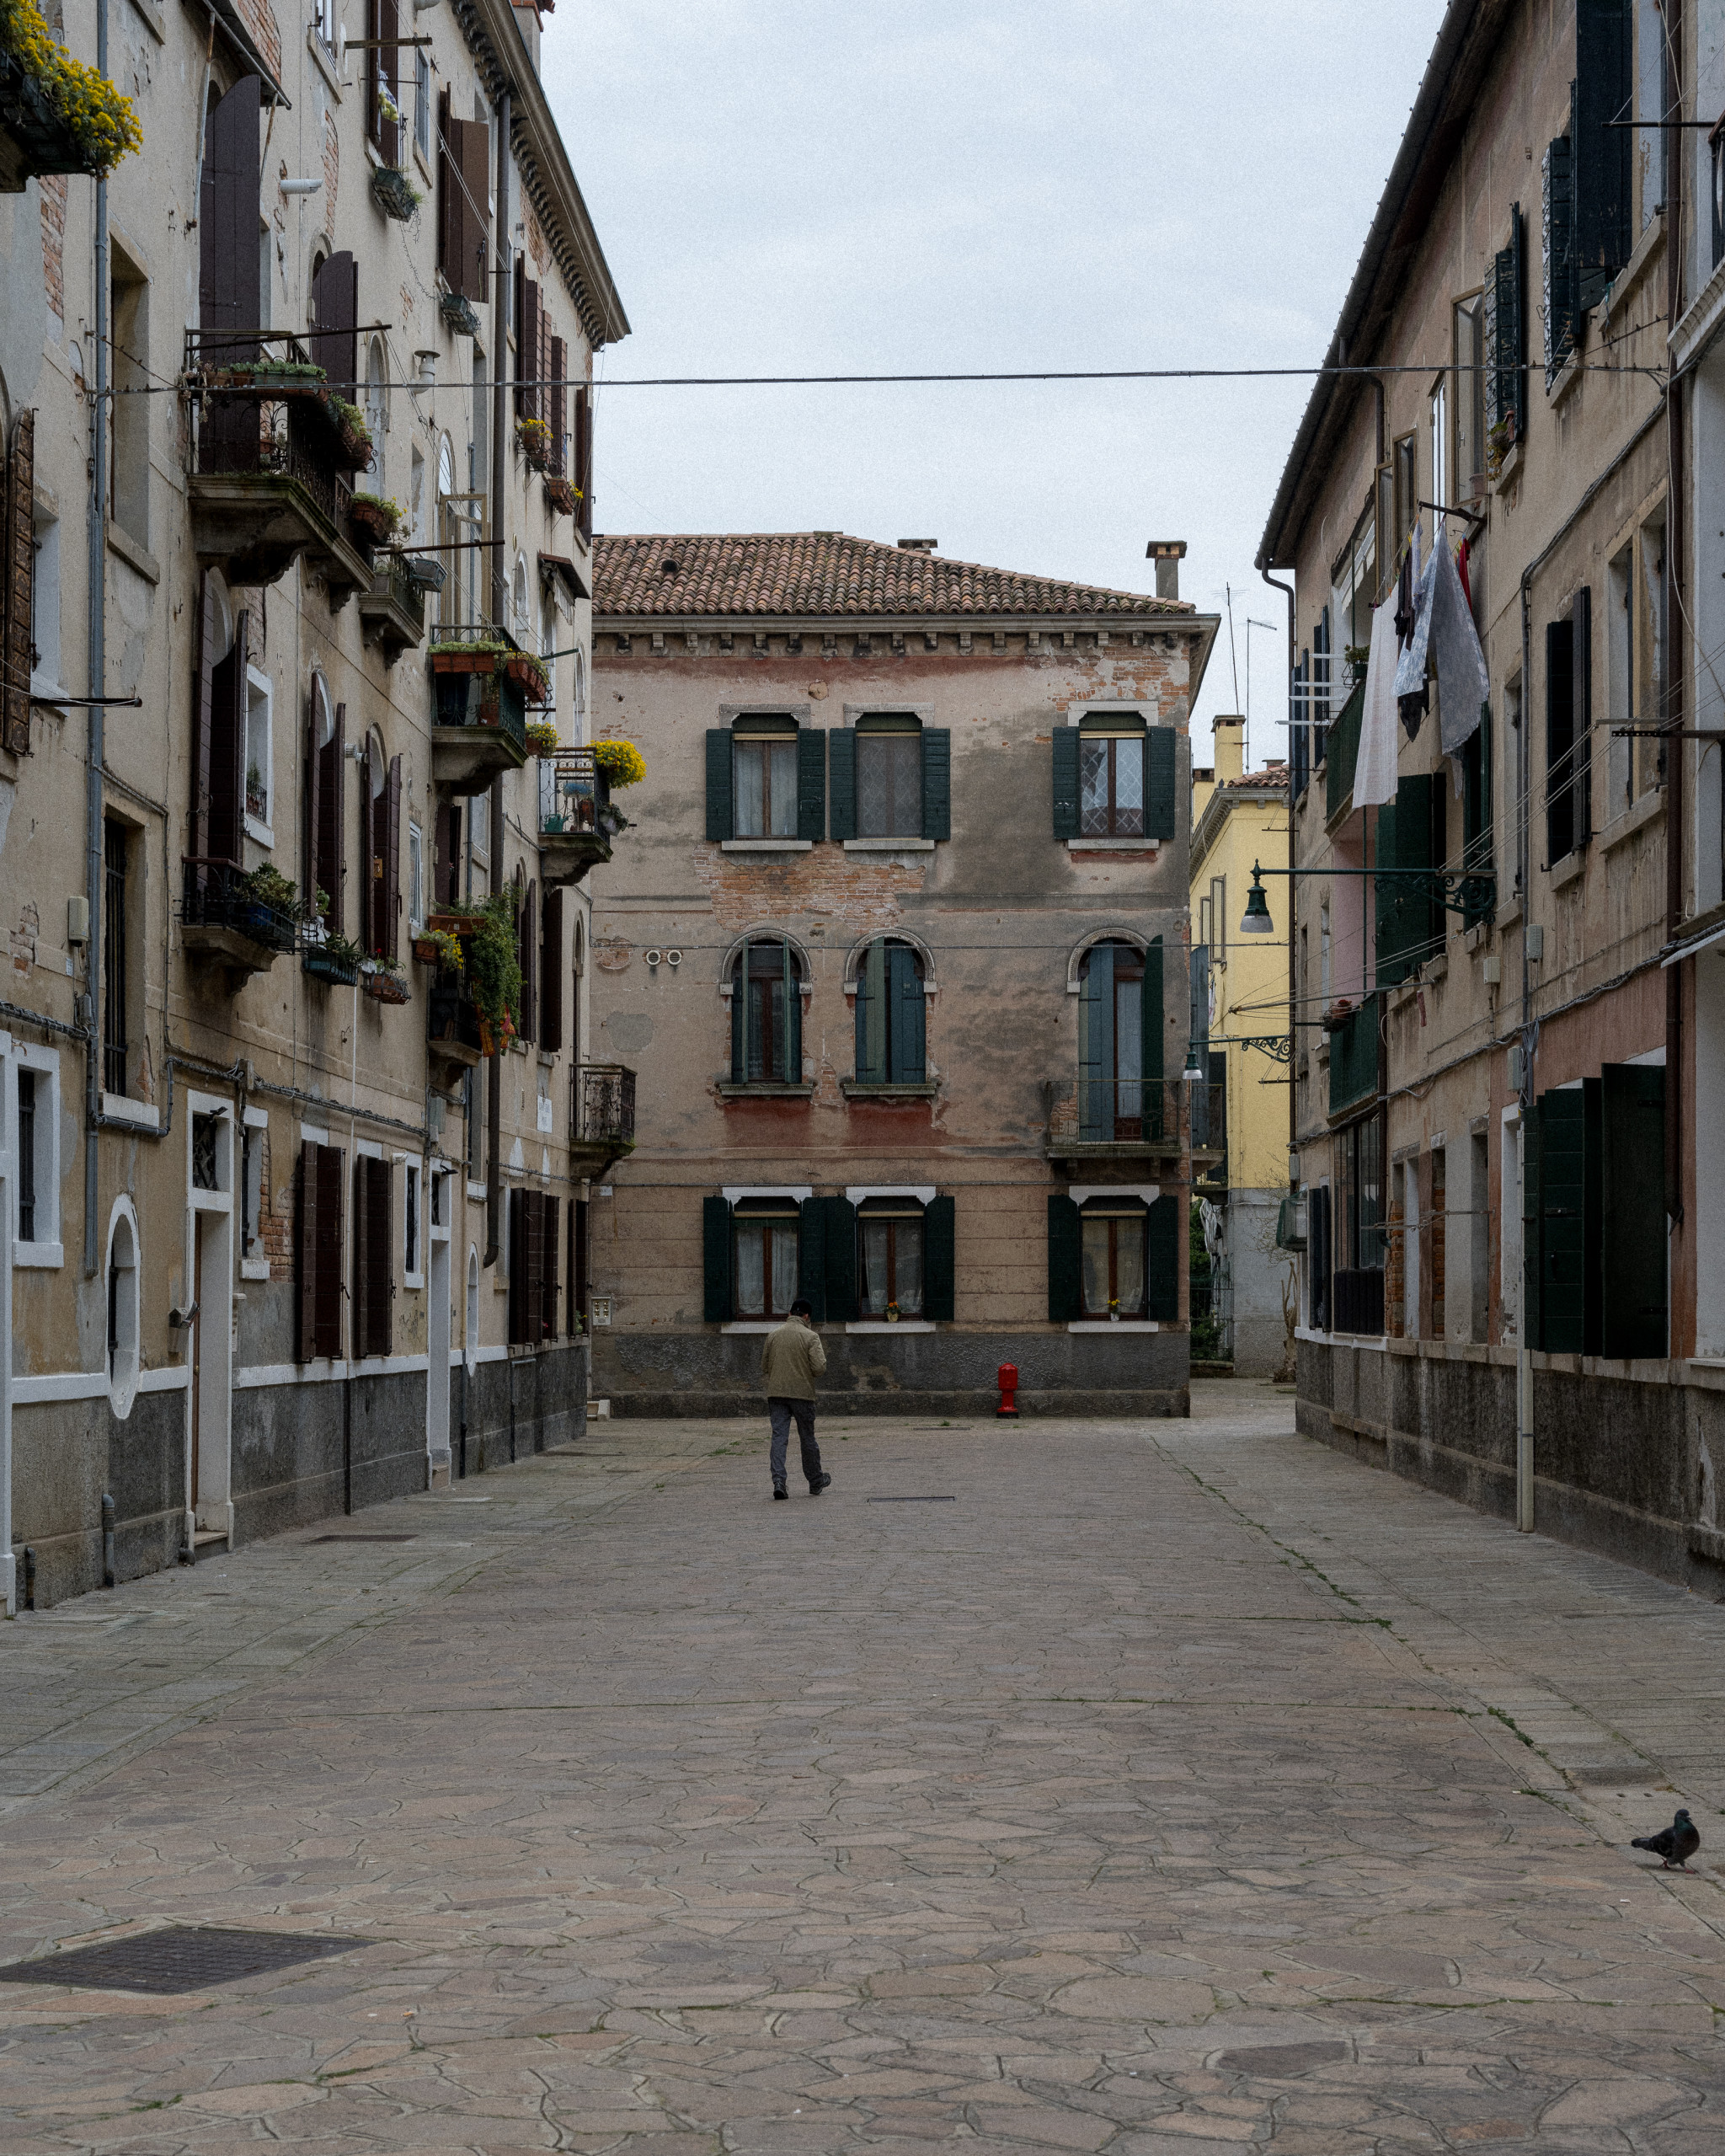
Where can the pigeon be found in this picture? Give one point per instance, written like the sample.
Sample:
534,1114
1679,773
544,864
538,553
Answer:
1679,1840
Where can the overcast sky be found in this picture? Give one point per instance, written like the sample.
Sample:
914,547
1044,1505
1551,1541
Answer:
785,186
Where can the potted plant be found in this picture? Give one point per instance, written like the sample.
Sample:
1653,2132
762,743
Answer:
1114,1309
541,736
892,1313
526,672
56,108
494,967
534,437
376,516
622,763
426,571
287,376
440,948
394,193
560,494
271,906
386,983
457,310
257,794
356,444
334,960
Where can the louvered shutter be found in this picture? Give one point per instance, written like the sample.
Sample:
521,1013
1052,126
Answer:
1095,1046
332,846
1560,740
330,1248
392,861
739,1020
1065,782
1161,802
1558,251
1634,1315
203,701
840,1260
362,1257
473,141
20,570
559,406
306,1253
584,461
1533,1240
940,1259
225,836
811,1257
1162,1277
792,1075
548,1305
550,975
448,201
715,1261
229,258
523,371
811,783
872,1015
314,783
369,862
721,815
1563,1227
1064,1260
1299,740
529,962
389,79
907,1059
1581,758
335,309
517,1298
1153,1028
536,1268
937,782
1603,94
445,868
381,1330
841,783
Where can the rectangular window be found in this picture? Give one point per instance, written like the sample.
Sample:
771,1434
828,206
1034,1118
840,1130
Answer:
416,879
1647,645
1354,587
1111,785
891,1027
1114,1253
26,1156
258,751
422,103
35,1106
251,1191
410,1226
888,778
115,957
890,1252
764,1259
764,786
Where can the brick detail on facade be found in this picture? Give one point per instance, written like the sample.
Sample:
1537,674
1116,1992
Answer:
53,190
259,18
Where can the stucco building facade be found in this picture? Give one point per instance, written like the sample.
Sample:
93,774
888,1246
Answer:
900,951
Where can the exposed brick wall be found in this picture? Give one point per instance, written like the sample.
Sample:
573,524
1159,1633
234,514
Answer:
54,193
745,890
332,169
259,18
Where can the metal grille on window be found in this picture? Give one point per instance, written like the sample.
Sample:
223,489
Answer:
26,1156
207,1158
114,984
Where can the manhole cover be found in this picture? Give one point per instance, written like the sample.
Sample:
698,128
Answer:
361,1538
913,1500
178,1958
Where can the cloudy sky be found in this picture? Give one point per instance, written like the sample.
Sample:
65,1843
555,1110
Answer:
784,186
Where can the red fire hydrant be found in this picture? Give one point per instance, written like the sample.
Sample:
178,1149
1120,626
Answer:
1007,1377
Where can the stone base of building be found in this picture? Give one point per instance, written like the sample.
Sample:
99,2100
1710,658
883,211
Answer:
946,1373
1629,1457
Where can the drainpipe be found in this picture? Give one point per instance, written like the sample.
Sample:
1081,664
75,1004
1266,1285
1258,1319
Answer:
1287,590
96,687
1524,1351
1676,759
500,372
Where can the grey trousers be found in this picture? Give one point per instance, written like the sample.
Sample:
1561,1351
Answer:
780,1412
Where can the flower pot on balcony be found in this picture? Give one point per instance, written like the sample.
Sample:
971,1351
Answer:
426,571
559,493
388,988
375,518
330,966
457,310
394,193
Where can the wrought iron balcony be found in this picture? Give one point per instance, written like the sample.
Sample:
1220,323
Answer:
1107,1119
601,1117
452,1021
223,925
577,822
393,610
480,677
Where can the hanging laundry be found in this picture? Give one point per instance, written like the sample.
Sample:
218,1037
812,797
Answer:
1375,763
1461,571
1464,686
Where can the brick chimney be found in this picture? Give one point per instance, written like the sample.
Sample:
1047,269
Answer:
1168,554
1229,752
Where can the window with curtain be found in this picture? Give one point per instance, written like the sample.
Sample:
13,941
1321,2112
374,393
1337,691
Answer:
764,1257
889,775
1111,775
764,776
766,1014
1115,1252
890,1257
891,1029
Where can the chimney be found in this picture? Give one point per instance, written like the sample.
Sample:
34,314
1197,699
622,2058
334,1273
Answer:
918,546
1230,751
1168,554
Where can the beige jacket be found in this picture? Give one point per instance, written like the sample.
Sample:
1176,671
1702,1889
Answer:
791,1360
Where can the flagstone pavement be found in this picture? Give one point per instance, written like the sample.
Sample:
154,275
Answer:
1174,1785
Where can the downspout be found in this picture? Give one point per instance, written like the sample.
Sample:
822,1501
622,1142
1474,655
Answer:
1524,1352
1676,760
1287,589
96,687
501,372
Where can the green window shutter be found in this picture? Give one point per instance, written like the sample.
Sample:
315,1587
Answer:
811,1257
1581,619
937,782
1065,1261
840,1260
1162,1277
1162,806
715,1261
1533,1216
1563,1227
1065,782
721,816
1095,1046
906,1056
1632,1238
1562,315
1153,1024
871,1016
1605,87
792,1075
841,783
811,783
939,1257
1404,911
740,1020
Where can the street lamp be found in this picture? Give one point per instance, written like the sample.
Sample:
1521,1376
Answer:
1191,1074
1257,921
1470,893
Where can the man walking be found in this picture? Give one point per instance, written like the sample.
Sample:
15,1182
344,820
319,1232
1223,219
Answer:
790,1362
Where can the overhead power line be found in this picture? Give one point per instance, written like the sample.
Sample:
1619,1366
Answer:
1072,374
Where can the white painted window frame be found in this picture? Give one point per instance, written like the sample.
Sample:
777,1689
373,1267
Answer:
45,1251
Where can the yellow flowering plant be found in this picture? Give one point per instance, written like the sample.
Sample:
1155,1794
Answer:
621,761
97,116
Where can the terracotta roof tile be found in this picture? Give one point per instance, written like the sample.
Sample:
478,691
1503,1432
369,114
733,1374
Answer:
804,574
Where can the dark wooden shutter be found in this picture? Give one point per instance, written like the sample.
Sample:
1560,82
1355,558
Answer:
1404,910
872,1002
739,1020
1506,338
230,258
535,1267
1633,1241
226,825
449,199
447,861
306,1253
369,862
203,701
471,141
552,1293
940,1231
840,1260
811,1257
841,781
1563,1207
1096,1045
1065,1280
1152,1018
529,962
907,1058
1533,1215
517,1266
374,1217
1162,1275
332,1199
1581,758
559,406
331,848
792,1073
1066,781
578,1265
715,1261
584,462
937,782
314,800
1318,1258
1560,740
392,861
362,1256
1557,254
811,783
335,310
382,74
721,815
1603,93
550,975
1161,789
20,573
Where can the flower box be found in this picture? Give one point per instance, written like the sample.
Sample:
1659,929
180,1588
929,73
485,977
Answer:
388,988
375,518
394,193
457,310
426,571
325,966
559,493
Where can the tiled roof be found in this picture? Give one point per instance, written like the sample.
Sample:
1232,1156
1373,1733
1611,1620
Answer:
815,574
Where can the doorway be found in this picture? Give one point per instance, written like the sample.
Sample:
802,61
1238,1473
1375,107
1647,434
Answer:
210,1181
438,1321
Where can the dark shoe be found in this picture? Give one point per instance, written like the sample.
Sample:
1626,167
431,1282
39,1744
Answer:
819,1484
779,1491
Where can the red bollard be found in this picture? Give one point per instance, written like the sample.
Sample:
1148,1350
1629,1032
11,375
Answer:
1007,1377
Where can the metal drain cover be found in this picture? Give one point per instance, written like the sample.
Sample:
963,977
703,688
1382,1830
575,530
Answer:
178,1958
360,1538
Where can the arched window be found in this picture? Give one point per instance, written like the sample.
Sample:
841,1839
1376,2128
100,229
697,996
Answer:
889,775
1120,1043
470,1331
578,701
764,1236
523,605
1114,1246
1111,777
324,797
764,775
123,1297
766,1014
449,609
889,1254
376,408
890,1025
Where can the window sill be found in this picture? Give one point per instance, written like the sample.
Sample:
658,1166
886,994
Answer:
49,695
1567,376
151,16
1568,868
1115,1325
116,1107
729,1091
1509,470
259,832
326,64
1114,846
767,846
1636,817
254,1268
863,1089
895,1325
754,1324
479,1191
889,845
133,551
41,1255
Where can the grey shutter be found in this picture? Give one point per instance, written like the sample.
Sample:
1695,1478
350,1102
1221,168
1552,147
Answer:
335,310
1604,91
940,1259
1161,804
1581,758
906,1059
1095,1046
1066,781
715,1261
314,774
841,783
368,840
1533,1247
392,860
203,705
872,1015
811,783
306,1253
721,815
792,1073
840,1260
1065,1261
1404,910
1558,250
1563,1225
1162,1273
937,782
1632,1240
811,1257
1560,740
1153,1023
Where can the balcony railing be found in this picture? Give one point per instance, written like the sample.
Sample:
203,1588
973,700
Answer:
1088,1114
1341,751
217,894
452,1020
574,796
604,1106
1358,1301
1354,1057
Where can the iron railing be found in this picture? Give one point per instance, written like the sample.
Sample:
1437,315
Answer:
603,1110
575,797
269,425
488,698
1151,1114
452,1019
217,894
